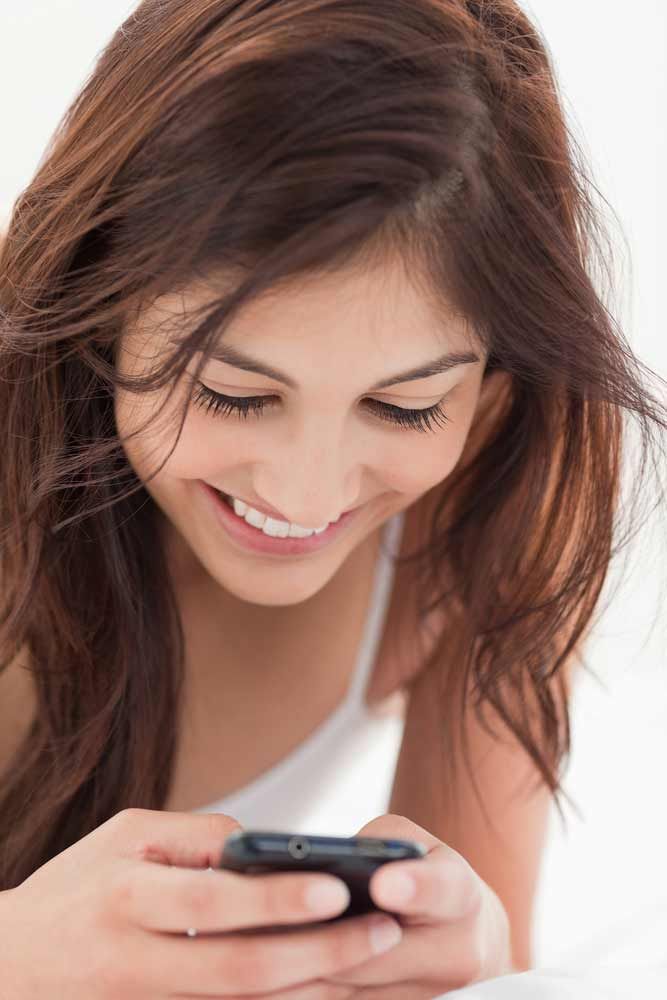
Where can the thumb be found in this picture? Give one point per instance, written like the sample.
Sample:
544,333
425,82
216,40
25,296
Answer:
172,838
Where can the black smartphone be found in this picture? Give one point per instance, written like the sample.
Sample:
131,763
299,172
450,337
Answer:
352,859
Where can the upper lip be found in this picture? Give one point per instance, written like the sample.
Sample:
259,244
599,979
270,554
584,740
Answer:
262,508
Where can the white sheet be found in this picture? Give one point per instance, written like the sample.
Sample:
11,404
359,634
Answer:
601,983
629,964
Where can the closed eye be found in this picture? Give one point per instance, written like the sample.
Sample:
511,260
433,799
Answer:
244,406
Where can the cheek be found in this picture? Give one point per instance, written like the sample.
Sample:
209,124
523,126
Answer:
130,412
432,462
148,433
203,449
202,452
431,458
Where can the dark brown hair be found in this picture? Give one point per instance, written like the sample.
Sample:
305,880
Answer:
270,141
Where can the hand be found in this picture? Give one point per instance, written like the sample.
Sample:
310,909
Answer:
455,929
106,919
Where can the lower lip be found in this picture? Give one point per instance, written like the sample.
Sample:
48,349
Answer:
256,541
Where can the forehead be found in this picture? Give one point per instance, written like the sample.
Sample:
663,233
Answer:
383,308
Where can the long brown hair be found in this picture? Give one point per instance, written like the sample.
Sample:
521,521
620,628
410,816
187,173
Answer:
269,141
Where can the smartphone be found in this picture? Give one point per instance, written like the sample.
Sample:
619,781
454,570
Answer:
352,859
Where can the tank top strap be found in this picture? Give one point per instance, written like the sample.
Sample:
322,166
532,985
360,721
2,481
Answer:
383,578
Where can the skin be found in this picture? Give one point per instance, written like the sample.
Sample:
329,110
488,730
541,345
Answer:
336,337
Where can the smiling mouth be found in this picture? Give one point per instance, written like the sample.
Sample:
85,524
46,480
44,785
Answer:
230,499
256,537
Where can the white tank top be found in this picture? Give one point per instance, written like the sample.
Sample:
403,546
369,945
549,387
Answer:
341,775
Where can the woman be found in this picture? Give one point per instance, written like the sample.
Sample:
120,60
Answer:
331,261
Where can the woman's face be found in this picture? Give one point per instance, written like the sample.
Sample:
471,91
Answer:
321,445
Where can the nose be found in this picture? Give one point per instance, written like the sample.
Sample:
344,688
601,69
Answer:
306,473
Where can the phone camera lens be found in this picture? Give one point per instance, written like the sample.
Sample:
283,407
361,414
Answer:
298,847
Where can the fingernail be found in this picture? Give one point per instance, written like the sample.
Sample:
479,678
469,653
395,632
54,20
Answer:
326,896
384,934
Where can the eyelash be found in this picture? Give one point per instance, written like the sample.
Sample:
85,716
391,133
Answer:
420,420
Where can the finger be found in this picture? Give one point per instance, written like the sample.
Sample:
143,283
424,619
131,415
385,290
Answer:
440,887
261,963
428,957
166,898
171,838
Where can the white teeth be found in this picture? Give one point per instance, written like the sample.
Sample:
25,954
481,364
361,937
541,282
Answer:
269,525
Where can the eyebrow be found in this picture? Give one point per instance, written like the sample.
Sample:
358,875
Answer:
237,359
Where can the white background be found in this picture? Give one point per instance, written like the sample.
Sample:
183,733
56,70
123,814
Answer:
603,882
